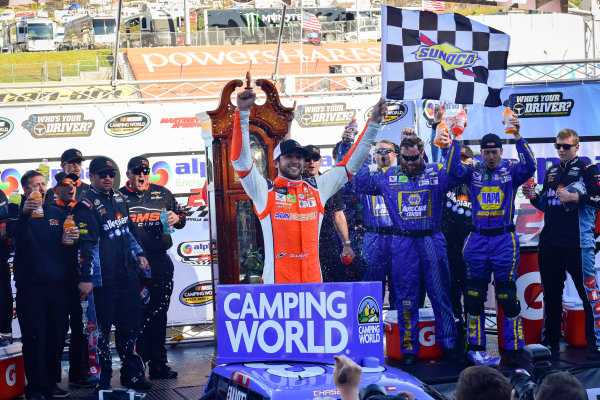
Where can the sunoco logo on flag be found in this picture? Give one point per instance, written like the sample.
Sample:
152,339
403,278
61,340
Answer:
442,57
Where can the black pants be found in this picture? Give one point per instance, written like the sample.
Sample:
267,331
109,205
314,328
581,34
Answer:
6,299
118,304
553,262
458,271
151,344
42,313
78,345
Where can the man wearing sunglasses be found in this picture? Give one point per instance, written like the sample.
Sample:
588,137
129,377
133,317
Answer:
71,162
413,193
145,201
567,241
493,246
290,209
109,257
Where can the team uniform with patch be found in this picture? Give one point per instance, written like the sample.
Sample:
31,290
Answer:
492,246
418,246
291,211
567,244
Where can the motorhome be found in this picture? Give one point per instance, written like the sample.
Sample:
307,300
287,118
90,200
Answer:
150,28
105,31
79,34
32,34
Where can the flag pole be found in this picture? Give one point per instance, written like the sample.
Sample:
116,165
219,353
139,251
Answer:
279,41
301,34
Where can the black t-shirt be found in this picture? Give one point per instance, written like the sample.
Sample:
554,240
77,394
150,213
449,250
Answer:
457,211
328,231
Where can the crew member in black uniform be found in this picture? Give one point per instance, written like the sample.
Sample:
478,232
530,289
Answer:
570,199
41,270
457,221
65,192
109,256
145,201
71,162
6,299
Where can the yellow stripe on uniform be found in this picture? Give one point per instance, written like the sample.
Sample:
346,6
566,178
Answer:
449,158
512,270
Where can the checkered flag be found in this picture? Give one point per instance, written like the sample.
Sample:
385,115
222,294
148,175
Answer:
442,57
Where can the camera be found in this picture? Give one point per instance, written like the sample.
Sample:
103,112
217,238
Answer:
121,394
377,392
525,381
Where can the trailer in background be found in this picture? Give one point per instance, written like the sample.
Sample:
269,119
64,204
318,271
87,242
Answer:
32,34
79,34
105,31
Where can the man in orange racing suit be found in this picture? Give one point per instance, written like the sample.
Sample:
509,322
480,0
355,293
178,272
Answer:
290,208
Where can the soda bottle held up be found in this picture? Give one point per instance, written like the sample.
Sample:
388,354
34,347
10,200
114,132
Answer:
68,227
509,128
441,129
353,127
459,122
167,229
39,211
530,186
44,169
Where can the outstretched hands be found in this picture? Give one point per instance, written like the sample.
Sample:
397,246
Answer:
245,99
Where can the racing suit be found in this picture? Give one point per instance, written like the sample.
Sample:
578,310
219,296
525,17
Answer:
492,246
108,247
6,299
567,244
418,246
144,209
291,211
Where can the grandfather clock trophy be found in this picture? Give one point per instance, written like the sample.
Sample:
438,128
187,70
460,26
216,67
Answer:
238,232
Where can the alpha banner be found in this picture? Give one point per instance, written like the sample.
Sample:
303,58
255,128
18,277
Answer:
309,322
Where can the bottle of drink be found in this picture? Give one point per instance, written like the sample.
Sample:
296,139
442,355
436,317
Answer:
459,122
84,315
68,226
39,211
509,128
44,169
347,259
352,125
167,229
441,129
15,197
530,186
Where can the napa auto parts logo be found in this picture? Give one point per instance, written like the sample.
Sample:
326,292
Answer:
6,127
58,125
316,115
198,294
396,110
9,180
536,105
182,122
448,56
195,253
127,124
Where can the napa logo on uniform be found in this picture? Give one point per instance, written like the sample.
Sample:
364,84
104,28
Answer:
369,321
448,56
414,199
491,198
198,294
6,127
127,124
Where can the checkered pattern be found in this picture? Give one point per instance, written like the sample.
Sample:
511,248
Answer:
406,78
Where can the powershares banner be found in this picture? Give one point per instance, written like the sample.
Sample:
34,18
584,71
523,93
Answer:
309,322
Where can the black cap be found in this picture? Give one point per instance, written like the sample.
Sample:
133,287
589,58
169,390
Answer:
138,161
289,146
70,155
491,141
466,151
101,164
313,151
61,176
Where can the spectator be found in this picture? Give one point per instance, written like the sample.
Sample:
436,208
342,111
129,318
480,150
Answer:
41,272
65,192
6,298
145,201
334,224
413,194
71,162
567,239
482,383
107,248
560,386
346,377
276,202
493,245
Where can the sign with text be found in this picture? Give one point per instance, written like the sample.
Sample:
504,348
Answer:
308,322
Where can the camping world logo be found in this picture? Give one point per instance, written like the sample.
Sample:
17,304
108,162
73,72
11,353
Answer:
448,56
6,127
160,173
368,311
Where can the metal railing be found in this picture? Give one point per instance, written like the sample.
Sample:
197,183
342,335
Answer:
51,71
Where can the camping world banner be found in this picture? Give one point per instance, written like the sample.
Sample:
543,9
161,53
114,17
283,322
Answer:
441,57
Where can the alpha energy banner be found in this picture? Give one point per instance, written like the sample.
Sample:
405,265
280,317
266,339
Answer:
309,322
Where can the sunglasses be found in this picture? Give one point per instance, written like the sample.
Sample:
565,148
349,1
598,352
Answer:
557,146
410,158
140,170
314,158
67,182
104,174
383,150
